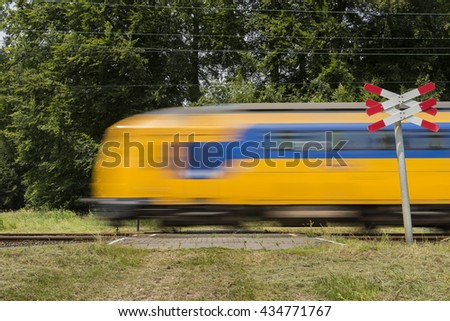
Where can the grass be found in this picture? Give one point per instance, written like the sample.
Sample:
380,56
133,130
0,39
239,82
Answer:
61,221
358,271
69,272
361,270
348,287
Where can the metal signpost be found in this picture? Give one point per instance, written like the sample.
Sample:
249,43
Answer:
396,116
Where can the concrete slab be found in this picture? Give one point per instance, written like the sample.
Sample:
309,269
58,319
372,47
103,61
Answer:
233,241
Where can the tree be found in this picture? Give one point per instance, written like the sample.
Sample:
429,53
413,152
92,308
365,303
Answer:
63,89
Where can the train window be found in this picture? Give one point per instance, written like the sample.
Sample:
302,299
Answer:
284,139
295,140
427,140
385,140
202,156
363,140
382,140
355,139
197,160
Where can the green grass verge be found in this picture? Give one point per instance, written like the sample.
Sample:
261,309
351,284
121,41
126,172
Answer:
62,221
66,272
357,271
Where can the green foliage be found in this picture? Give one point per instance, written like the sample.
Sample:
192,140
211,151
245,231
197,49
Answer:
239,91
63,90
11,189
334,83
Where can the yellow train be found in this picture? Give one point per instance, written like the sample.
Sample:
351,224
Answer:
294,163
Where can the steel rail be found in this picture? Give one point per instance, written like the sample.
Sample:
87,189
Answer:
57,237
420,237
79,237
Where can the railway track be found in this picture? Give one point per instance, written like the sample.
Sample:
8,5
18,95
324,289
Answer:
419,237
13,240
428,237
59,237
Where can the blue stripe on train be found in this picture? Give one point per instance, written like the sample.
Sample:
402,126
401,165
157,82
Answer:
253,145
228,150
207,157
333,126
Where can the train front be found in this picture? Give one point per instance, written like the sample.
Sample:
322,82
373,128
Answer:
121,168
144,166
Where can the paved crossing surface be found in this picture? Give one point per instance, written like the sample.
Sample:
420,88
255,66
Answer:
233,241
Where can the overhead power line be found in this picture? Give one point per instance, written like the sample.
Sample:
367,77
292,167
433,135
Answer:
306,51
241,8
215,84
151,34
287,50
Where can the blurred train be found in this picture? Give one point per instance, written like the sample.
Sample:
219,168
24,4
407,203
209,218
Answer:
297,164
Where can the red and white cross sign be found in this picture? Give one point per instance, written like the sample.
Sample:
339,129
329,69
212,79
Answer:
408,114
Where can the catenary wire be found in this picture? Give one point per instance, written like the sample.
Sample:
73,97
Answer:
100,86
81,32
245,9
311,51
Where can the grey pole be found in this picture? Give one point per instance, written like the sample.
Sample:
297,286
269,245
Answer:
407,223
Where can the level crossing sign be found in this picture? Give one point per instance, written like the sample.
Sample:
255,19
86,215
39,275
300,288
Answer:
394,100
400,108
